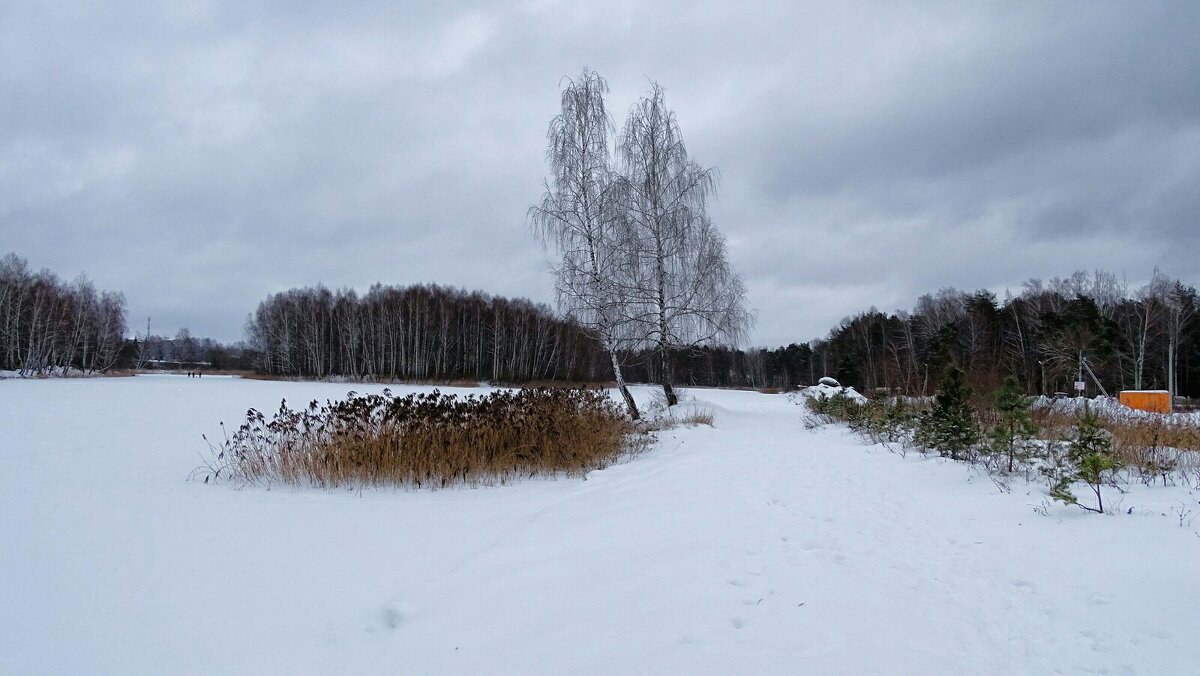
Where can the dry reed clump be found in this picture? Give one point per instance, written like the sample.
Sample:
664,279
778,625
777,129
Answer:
691,416
255,375
698,417
1154,446
272,377
570,385
460,382
428,440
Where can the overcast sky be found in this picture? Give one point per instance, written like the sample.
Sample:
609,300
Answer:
199,156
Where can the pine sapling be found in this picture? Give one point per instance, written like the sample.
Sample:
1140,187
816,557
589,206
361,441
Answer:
1091,455
1016,427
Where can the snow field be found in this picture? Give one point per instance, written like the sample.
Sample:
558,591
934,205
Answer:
754,546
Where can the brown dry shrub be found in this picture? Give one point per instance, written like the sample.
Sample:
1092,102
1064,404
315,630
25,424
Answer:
428,440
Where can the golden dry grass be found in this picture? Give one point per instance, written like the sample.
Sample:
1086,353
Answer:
428,440
701,417
1153,445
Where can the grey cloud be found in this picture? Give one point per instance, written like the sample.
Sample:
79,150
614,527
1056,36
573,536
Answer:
199,156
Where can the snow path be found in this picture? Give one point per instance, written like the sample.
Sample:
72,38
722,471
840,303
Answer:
753,547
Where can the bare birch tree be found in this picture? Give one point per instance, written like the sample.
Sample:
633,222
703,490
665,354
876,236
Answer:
1139,325
47,325
1179,303
684,292
576,214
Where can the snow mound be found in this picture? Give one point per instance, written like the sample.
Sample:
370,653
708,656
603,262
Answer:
1110,408
823,391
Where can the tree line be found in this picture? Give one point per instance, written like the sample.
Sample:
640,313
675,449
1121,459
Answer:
428,332
47,324
417,333
1046,335
1142,338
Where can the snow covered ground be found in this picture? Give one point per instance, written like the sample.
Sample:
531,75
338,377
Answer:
755,547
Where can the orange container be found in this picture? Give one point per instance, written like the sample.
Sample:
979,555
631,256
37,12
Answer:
1155,401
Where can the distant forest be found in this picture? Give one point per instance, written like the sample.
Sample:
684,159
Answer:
1129,338
46,323
417,333
1140,339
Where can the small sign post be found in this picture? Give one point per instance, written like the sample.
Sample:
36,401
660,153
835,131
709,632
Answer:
1080,386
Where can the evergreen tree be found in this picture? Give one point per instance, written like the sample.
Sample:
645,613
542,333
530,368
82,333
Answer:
950,425
1091,455
1015,427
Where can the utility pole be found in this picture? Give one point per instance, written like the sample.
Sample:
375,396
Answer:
1079,375
1092,373
1171,373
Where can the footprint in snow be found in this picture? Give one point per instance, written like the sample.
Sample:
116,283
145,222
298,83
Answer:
1024,586
392,617
389,618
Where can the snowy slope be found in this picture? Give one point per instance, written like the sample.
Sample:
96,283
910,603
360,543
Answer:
752,547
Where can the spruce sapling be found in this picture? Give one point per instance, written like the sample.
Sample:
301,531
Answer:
950,425
1015,427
